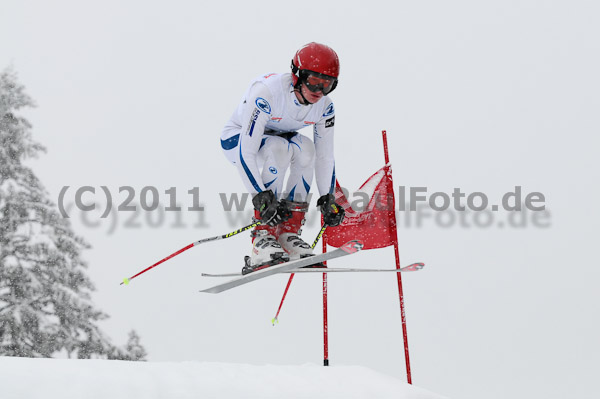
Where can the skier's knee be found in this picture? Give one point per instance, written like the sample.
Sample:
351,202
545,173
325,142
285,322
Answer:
306,156
280,152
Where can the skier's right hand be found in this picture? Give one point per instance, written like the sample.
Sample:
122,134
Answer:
272,212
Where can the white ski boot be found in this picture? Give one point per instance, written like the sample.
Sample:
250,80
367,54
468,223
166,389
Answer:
288,232
294,246
266,251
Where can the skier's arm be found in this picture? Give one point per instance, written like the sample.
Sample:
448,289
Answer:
333,213
254,120
324,159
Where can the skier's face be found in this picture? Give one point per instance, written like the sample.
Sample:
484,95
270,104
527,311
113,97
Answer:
311,96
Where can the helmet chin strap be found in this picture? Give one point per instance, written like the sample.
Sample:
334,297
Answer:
298,89
305,101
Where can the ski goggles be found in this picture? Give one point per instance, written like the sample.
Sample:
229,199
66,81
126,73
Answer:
316,82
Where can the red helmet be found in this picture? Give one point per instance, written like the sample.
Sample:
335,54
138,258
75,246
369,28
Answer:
317,58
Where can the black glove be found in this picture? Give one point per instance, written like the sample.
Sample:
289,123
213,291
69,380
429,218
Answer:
333,214
272,212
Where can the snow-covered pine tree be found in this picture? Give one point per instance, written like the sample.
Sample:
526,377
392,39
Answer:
45,302
133,349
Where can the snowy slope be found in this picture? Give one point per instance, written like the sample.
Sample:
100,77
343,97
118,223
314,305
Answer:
53,378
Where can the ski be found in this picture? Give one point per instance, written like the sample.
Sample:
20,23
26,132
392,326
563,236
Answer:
410,268
348,248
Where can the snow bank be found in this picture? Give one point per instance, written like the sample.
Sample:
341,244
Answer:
58,378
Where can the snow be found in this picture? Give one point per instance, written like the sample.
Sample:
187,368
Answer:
66,378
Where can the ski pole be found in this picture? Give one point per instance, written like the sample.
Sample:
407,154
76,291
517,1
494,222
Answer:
215,238
287,287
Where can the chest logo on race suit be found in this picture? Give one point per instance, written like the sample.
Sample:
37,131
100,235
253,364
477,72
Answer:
329,110
263,105
276,119
308,123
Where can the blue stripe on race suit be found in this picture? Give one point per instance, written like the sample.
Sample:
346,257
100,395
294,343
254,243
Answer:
269,183
230,143
306,185
332,188
248,173
291,196
252,127
264,140
290,140
296,144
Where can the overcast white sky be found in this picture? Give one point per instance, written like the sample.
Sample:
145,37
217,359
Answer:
478,95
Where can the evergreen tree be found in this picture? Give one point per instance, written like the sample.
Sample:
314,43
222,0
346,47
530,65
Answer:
45,294
133,349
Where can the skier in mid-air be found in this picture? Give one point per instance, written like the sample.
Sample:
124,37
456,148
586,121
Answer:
262,141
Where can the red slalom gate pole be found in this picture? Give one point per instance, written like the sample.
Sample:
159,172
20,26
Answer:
325,325
397,255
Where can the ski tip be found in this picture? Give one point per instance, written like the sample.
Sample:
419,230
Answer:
274,321
211,290
125,281
414,267
352,246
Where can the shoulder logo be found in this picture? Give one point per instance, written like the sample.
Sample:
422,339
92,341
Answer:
263,105
329,110
273,170
330,122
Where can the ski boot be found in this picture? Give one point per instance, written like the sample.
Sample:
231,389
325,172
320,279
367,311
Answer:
288,233
266,251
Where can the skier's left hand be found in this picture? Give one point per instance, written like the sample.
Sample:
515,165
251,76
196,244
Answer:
333,214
